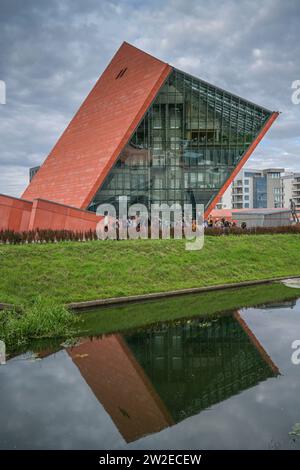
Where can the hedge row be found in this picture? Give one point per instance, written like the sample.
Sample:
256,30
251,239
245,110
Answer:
45,236
53,236
215,231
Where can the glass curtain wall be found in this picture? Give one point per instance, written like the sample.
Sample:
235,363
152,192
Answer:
187,145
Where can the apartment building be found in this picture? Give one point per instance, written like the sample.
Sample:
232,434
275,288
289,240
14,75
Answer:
296,190
226,200
291,189
243,189
268,189
260,189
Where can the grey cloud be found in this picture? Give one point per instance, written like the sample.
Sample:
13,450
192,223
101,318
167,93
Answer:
53,52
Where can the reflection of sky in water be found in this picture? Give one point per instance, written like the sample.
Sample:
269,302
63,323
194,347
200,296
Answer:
47,403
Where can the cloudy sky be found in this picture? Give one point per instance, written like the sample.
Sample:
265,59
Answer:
53,51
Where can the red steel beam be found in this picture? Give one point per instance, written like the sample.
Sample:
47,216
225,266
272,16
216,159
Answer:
241,163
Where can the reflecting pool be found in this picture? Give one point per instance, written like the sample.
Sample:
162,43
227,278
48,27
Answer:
222,382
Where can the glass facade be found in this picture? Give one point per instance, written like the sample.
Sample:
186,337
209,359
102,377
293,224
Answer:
186,146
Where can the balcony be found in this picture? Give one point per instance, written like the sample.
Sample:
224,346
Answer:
237,191
237,205
237,184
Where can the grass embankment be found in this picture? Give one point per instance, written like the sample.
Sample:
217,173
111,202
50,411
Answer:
73,271
40,279
42,318
148,314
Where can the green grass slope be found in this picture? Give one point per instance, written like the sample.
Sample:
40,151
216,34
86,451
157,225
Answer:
74,271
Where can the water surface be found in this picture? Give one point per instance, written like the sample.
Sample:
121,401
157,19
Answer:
226,382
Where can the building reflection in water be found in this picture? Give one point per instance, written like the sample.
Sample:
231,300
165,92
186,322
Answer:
154,378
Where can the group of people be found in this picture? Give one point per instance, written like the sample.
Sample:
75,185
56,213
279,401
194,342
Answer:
138,223
124,223
222,223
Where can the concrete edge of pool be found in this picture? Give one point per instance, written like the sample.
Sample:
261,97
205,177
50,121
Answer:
161,295
85,305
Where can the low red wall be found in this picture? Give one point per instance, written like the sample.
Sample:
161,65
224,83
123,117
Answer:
55,216
14,213
21,215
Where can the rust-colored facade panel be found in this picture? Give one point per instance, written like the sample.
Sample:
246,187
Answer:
91,143
14,213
